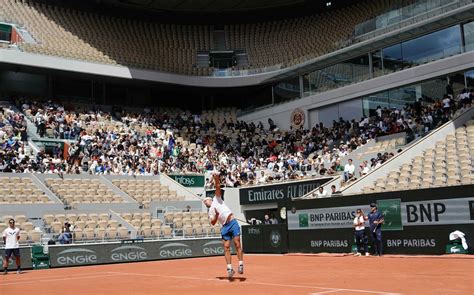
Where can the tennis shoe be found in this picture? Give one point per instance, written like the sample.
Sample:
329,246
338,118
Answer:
5,272
230,273
357,254
241,269
18,272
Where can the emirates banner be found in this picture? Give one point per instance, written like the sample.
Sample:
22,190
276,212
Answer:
278,192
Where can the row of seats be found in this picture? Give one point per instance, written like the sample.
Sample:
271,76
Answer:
16,190
449,163
100,226
383,146
187,224
28,232
21,190
87,226
81,35
146,191
85,191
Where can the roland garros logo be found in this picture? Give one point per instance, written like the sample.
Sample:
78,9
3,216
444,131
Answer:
297,118
275,238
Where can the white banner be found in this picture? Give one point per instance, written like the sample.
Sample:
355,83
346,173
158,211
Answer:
430,212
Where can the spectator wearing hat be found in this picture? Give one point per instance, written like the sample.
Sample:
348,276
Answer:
376,220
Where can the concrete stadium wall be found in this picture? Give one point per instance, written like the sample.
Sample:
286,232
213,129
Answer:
315,104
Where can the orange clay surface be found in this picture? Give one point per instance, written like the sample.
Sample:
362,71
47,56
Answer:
264,274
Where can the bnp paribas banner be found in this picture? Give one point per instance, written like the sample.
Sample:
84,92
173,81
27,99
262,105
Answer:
189,180
397,214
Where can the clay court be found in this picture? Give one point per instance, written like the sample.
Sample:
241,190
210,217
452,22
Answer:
264,274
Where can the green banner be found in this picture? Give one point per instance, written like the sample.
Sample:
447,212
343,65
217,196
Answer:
5,28
189,180
391,209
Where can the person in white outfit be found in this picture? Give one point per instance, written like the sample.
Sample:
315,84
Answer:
11,236
360,236
230,231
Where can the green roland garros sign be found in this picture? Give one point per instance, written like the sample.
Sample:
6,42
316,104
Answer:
189,180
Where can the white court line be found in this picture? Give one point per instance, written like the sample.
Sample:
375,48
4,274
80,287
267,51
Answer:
260,283
60,279
357,291
325,292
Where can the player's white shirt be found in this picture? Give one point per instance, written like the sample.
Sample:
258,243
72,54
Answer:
357,220
221,208
11,235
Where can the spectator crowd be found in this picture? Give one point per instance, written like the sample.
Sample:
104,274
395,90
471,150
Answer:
150,142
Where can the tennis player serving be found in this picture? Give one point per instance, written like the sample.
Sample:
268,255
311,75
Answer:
230,231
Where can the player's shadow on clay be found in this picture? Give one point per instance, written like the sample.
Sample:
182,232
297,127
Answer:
239,279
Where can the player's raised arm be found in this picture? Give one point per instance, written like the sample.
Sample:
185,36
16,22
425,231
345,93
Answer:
217,184
213,215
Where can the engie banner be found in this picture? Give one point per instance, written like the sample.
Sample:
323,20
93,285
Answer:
89,254
416,222
278,192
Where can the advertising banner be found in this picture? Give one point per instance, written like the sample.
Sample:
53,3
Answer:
278,192
89,254
397,214
415,222
411,240
189,180
265,238
25,254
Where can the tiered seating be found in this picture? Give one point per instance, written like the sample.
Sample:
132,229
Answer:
98,38
193,224
147,226
449,163
87,226
82,35
220,115
28,233
383,146
16,190
146,191
292,41
82,191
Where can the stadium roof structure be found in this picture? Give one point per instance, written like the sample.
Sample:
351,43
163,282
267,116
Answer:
205,11
205,5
